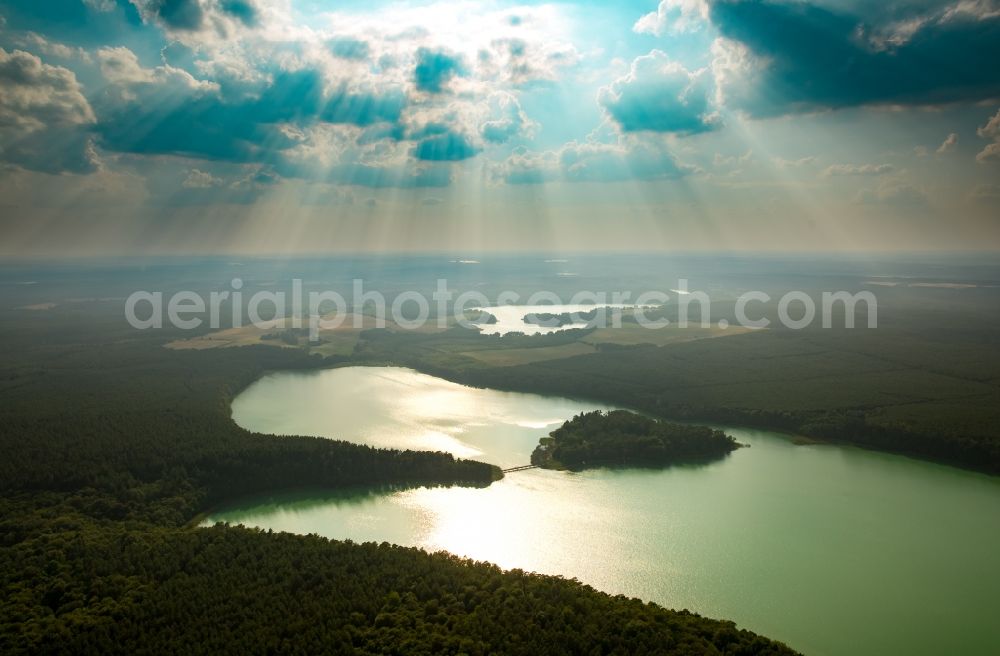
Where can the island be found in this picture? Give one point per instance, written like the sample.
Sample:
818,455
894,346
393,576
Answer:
549,320
620,438
481,318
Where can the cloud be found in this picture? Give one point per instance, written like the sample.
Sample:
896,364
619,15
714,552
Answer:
510,121
165,110
660,95
603,163
173,14
382,177
592,162
785,164
200,180
989,154
448,146
101,5
243,10
363,108
50,48
120,66
44,117
349,48
673,16
990,131
992,128
206,21
268,96
435,68
35,94
784,57
948,144
721,161
522,63
896,193
863,169
484,49
170,185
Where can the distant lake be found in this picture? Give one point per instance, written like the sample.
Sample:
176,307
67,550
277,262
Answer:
510,318
832,550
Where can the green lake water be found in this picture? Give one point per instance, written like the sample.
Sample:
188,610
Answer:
833,550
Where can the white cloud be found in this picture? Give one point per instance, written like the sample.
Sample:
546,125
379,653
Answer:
948,144
507,119
989,154
629,159
721,161
977,9
49,48
102,6
661,95
672,16
857,169
512,46
990,131
802,162
121,66
200,180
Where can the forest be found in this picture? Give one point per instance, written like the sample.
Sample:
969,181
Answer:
619,438
114,446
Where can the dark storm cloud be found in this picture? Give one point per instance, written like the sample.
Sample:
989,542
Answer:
813,57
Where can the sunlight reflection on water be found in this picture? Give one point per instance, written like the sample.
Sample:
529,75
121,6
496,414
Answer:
779,537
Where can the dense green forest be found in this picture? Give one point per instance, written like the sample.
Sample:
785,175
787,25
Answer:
623,438
78,590
113,445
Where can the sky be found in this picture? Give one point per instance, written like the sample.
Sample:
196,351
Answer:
310,126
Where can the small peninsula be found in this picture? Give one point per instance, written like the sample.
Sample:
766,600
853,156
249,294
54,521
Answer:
620,438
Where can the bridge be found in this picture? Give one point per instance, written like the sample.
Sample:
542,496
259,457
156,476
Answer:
521,468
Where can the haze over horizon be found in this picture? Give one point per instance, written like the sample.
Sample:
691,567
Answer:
242,126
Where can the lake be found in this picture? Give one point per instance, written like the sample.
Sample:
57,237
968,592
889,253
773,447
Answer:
510,318
833,550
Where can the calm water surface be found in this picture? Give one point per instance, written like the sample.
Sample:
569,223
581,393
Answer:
510,318
832,550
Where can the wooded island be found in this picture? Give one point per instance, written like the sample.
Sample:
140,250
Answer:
620,438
